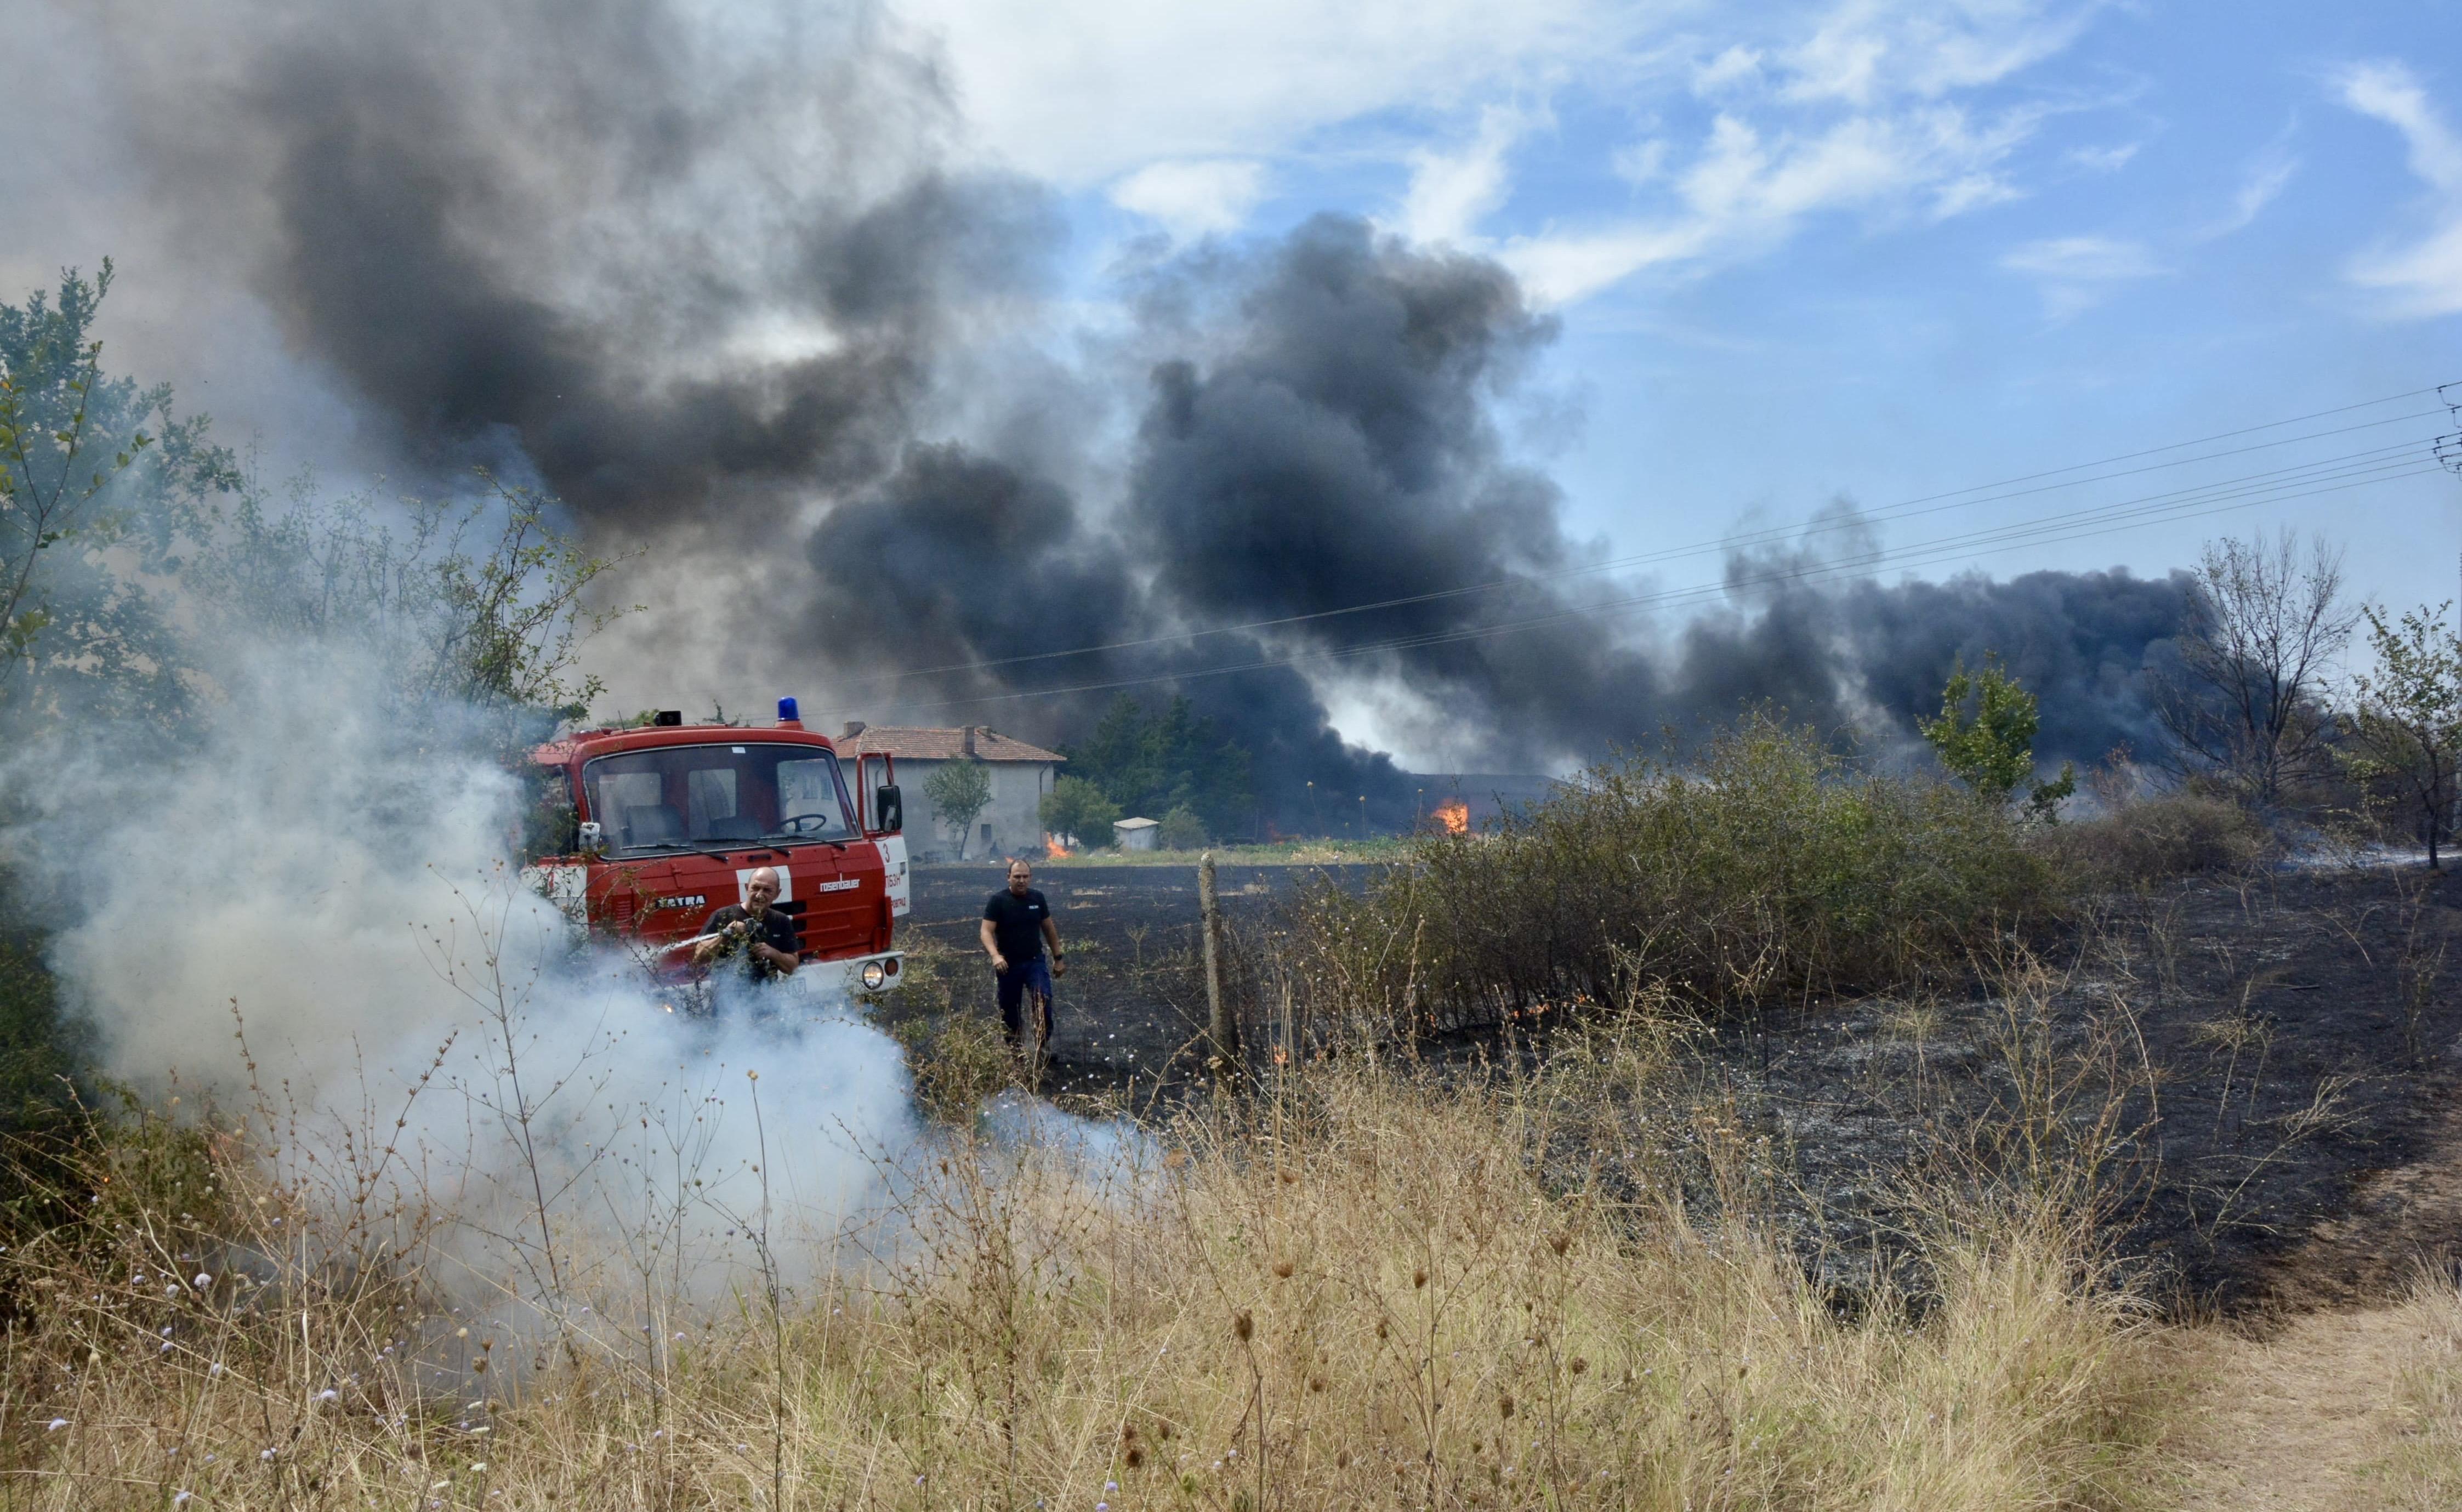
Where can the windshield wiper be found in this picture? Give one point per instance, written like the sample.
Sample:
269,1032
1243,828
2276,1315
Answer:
791,837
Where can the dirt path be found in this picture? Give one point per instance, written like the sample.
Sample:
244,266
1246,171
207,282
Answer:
2289,1419
2287,1423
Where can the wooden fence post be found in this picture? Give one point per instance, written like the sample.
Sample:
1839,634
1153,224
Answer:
1219,1025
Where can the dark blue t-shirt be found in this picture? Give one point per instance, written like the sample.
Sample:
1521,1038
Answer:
1017,924
774,928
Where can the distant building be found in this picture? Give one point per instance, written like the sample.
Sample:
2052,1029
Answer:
1011,824
1136,834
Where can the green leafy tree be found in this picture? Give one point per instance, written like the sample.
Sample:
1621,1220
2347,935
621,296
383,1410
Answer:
1174,758
112,506
1985,736
479,602
959,790
1180,830
110,502
90,464
1078,810
2405,730
99,484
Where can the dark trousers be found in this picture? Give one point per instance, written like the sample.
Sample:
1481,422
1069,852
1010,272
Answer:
1033,973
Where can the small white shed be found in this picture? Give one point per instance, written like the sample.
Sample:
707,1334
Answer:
1134,835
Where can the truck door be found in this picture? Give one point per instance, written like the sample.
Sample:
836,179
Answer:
883,824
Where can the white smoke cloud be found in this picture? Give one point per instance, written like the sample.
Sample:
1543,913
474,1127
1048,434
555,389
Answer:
340,881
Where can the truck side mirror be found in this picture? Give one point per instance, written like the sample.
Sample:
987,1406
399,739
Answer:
887,815
594,841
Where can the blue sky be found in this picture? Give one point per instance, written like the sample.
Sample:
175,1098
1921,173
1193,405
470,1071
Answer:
1868,250
1864,249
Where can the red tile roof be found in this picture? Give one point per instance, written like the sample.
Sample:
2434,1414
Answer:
908,743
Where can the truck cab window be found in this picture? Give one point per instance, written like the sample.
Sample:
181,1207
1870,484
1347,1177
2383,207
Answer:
710,810
808,799
709,797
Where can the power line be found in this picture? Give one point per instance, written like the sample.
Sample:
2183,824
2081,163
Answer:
2267,485
2134,513
2187,504
2180,504
1908,509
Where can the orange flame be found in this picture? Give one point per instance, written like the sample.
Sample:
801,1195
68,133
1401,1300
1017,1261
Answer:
1456,815
1052,849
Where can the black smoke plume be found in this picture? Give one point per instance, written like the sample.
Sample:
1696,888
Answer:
1337,446
2082,642
723,282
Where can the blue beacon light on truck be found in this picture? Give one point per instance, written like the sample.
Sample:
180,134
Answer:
786,714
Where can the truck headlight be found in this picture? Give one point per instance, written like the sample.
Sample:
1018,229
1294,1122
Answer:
873,975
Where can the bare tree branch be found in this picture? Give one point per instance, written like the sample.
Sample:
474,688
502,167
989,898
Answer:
2244,704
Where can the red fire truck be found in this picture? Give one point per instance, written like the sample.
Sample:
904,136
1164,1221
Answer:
642,833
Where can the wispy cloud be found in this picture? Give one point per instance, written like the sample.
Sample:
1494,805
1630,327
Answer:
2266,180
1737,65
2102,160
1868,50
1826,106
1855,114
2082,259
1193,198
1451,192
2079,272
2389,91
1085,91
1640,162
2424,278
1748,188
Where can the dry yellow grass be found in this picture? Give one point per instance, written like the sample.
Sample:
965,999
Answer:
2418,1463
2325,1410
1360,1296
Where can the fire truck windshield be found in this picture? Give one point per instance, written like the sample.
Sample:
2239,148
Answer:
704,797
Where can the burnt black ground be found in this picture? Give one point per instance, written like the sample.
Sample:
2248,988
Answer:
2273,1051
1130,1001
2286,1050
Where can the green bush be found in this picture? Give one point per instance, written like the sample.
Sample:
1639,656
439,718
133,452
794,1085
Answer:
1180,830
2155,839
40,1124
1076,811
80,1158
1990,746
1770,867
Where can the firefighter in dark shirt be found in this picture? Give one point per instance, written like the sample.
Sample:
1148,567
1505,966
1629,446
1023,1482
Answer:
762,935
1017,924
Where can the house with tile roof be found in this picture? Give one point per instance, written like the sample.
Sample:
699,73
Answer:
1021,774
